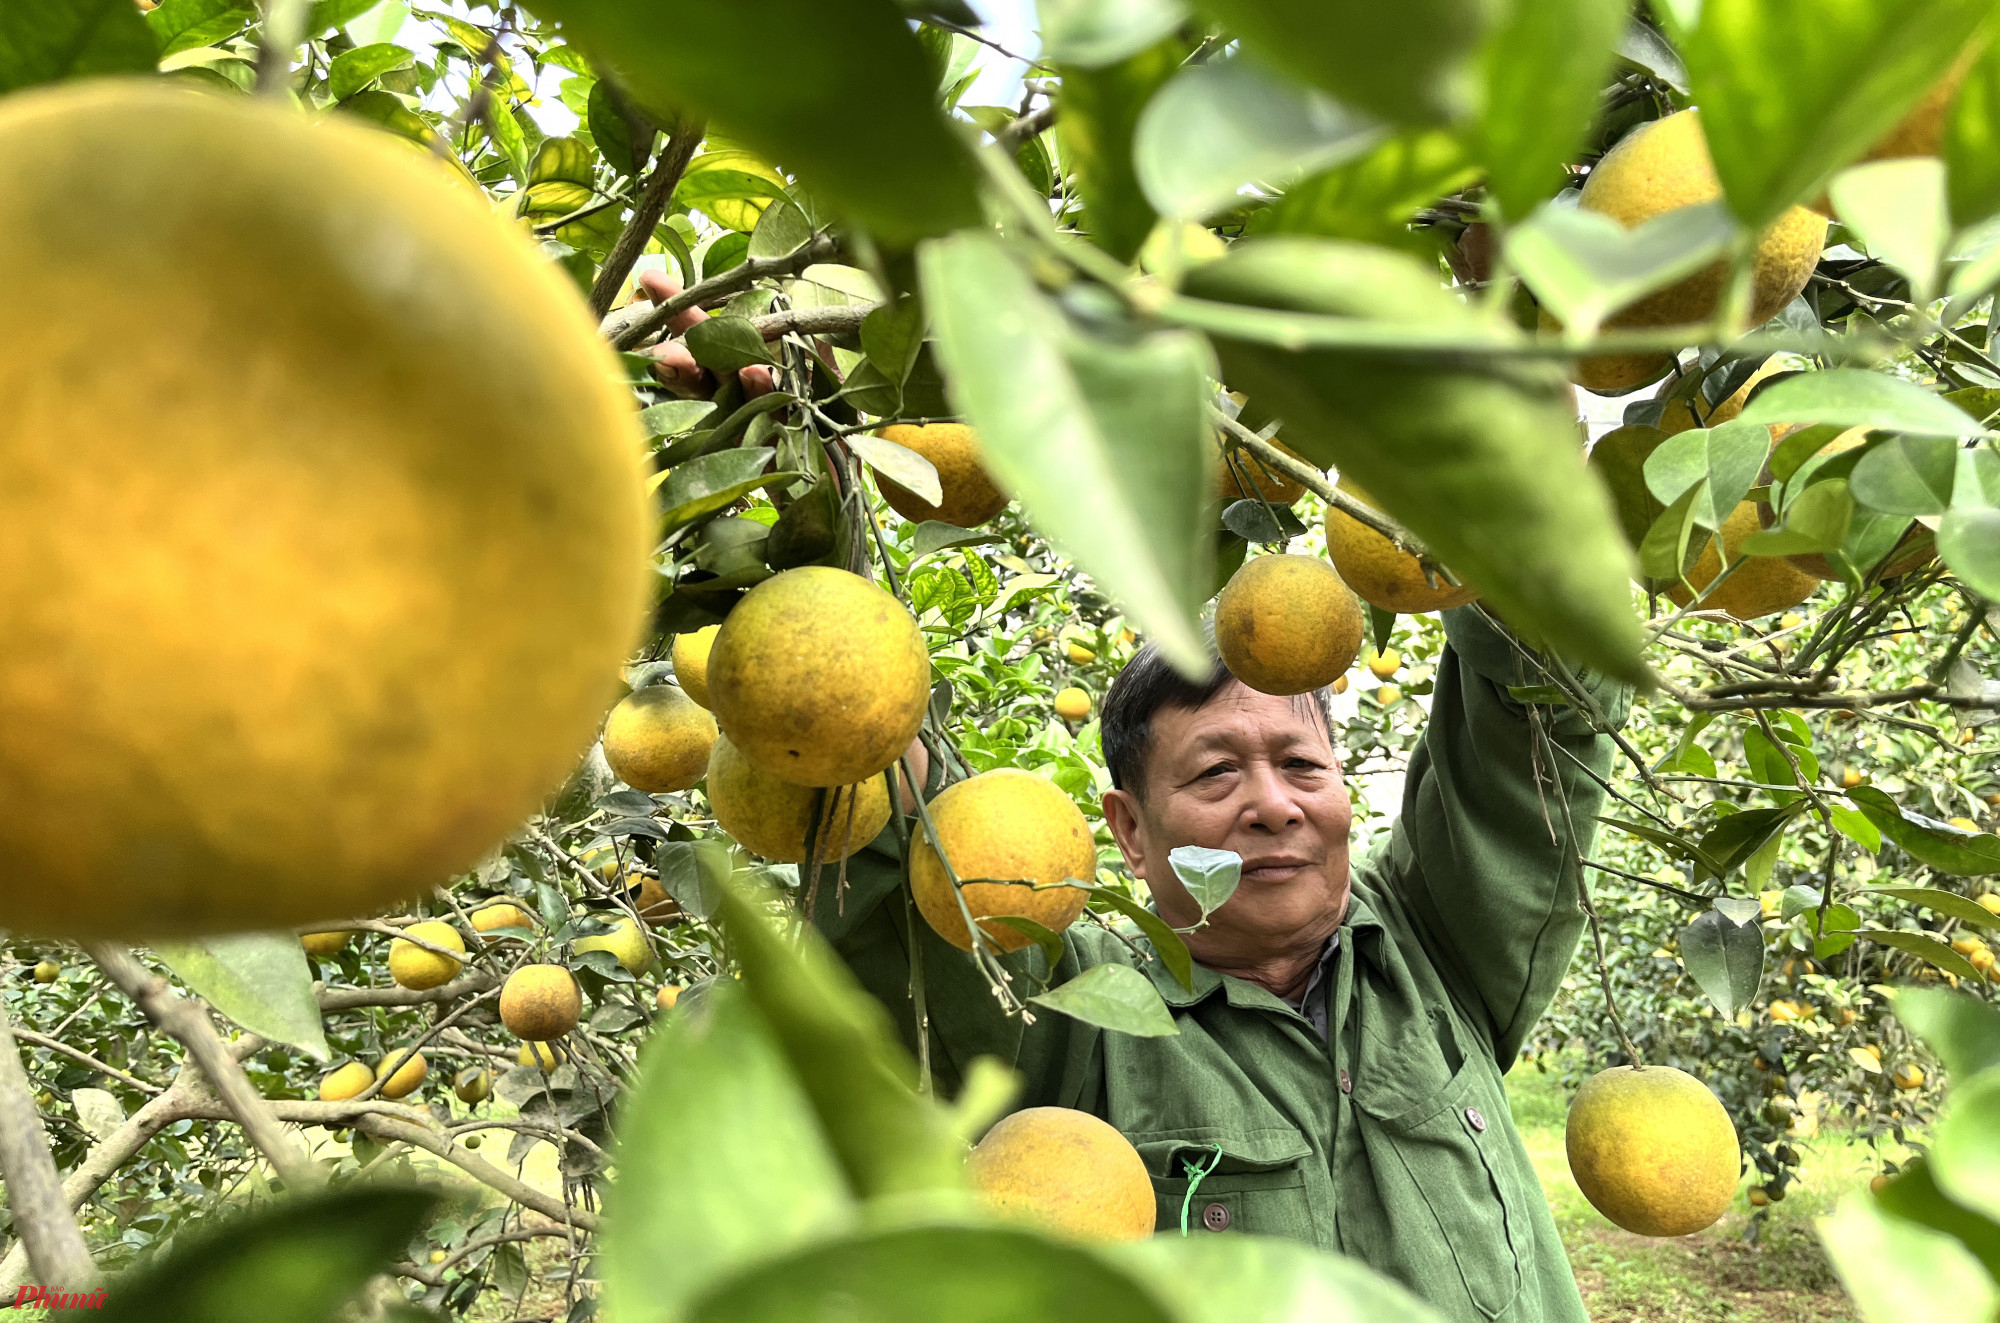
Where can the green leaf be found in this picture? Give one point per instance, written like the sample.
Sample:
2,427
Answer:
46,41
259,980
854,110
1799,446
185,25
845,1052
1484,467
1929,949
971,1274
892,336
1853,68
1963,1031
727,344
1972,142
1832,931
1942,846
674,417
1948,903
1237,1279
1817,520
900,465
1114,997
1040,934
1855,826
1209,876
1913,1196
1854,397
1741,835
1218,126
1584,265
1411,63
781,231
1898,208
1544,66
1373,197
709,483
1725,959
1965,1148
1090,34
1663,552
932,536
327,15
1173,952
720,1155
1898,1270
1672,842
1908,475
1098,113
1969,542
300,1259
623,137
1104,441
353,70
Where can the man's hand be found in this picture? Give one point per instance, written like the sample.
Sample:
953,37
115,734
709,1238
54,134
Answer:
674,366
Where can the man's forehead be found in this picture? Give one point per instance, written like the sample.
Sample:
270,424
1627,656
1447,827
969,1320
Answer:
1239,715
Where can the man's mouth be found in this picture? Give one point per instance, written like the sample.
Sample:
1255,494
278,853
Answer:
1276,868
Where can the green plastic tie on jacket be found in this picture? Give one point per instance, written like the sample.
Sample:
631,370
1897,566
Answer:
1195,1174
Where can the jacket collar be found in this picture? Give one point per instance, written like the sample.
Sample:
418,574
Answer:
1360,921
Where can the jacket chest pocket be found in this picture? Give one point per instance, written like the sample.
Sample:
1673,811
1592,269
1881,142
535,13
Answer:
1249,1182
1448,1183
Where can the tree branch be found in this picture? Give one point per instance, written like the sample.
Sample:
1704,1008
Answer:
646,213
1315,482
1019,130
633,331
416,1135
433,1274
84,1058
43,1220
189,1022
347,999
838,320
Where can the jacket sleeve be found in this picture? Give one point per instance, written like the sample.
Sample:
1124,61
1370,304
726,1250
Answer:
1481,855
872,923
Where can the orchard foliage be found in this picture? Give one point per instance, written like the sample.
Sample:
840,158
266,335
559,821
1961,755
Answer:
1342,225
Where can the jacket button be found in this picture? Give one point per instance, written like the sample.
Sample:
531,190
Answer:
1346,1082
1215,1217
1477,1121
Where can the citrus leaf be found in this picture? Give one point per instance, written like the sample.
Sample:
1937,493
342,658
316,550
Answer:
970,1273
888,158
933,536
1898,1270
900,465
1039,933
1215,127
1103,440
45,41
1089,34
1898,208
1972,142
1724,958
719,1154
1173,952
1853,397
1412,63
1210,876
1942,846
1543,67
1584,265
301,1259
1098,113
1235,1279
1914,1197
1114,997
1948,903
1854,68
727,344
1965,1154
1963,1032
1917,944
259,980
1969,541
1907,475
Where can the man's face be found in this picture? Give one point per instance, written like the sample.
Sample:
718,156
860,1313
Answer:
1254,773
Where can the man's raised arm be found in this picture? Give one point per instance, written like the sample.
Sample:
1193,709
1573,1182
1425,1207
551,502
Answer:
1482,853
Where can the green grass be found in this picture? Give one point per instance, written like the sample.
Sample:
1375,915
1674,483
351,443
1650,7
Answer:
1718,1274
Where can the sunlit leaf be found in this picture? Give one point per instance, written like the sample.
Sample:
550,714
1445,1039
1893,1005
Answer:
1898,209
1897,1270
1852,397
1963,1031
1584,265
1089,34
1543,68
1099,113
259,980
1372,197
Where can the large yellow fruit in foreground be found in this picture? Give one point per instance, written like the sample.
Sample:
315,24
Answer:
690,658
820,677
411,966
1014,827
1759,587
1066,1171
1661,167
540,1002
658,739
1287,624
772,818
1652,1149
319,573
968,494
1377,571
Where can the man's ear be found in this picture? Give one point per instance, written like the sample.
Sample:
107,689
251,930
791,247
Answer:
1122,812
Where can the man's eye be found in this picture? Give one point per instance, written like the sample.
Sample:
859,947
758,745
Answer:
1217,770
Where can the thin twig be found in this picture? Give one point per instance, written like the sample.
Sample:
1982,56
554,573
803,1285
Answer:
84,1058
646,213
633,334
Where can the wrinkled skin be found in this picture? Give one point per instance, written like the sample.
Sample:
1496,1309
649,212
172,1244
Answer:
1257,774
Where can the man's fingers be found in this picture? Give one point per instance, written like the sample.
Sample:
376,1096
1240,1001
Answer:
659,286
757,380
675,368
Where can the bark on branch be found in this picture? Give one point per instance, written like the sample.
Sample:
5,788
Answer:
652,204
42,1218
629,330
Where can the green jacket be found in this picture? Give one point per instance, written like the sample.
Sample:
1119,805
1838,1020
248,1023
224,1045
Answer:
1391,1140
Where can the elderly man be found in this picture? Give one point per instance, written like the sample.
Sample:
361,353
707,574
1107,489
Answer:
1337,1074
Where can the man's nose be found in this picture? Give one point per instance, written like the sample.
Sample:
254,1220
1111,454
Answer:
1272,805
